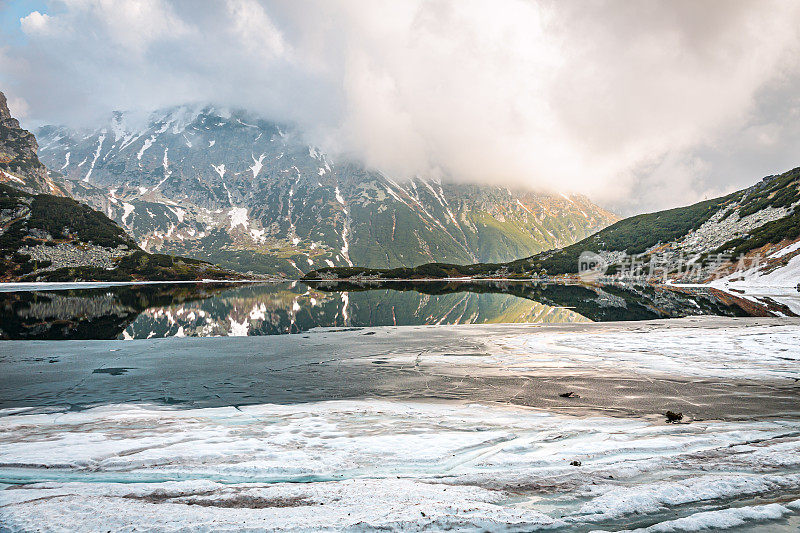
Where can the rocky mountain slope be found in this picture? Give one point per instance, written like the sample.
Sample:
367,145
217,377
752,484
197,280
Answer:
250,194
19,164
51,238
756,229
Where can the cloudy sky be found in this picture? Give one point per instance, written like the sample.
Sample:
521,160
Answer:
640,105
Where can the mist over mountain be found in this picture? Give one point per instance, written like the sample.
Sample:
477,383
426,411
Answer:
639,105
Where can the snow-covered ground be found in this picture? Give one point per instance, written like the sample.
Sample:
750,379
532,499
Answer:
779,284
363,465
788,296
760,290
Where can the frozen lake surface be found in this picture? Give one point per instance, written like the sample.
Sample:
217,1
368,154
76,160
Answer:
409,428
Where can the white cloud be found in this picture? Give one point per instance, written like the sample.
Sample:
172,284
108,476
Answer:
635,103
35,23
134,25
252,27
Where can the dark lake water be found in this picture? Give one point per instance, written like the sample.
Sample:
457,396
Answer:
205,310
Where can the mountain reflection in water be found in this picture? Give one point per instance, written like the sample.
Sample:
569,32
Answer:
153,311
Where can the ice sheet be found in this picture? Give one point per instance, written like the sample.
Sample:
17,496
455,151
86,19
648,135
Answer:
367,464
771,352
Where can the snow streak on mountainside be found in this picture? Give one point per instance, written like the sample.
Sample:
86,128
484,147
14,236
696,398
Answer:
250,194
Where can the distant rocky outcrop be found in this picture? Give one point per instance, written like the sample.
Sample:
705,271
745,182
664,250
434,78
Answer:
19,161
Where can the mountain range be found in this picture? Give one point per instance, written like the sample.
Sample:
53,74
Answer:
230,188
756,229
246,193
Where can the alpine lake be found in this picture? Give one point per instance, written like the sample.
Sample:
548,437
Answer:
254,309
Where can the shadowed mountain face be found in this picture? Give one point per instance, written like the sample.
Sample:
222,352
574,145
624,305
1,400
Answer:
763,219
253,195
143,312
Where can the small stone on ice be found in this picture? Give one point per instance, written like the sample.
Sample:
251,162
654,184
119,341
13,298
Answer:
674,417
